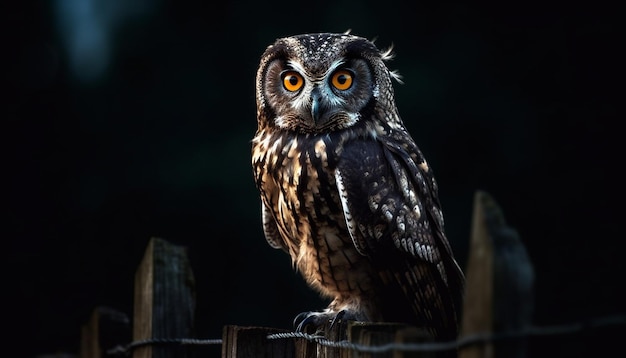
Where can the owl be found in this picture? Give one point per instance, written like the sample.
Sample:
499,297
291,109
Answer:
344,189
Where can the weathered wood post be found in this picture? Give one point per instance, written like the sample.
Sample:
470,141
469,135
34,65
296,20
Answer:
105,329
252,342
499,287
90,337
382,333
164,305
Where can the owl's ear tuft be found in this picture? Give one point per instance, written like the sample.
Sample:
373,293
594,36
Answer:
396,76
388,54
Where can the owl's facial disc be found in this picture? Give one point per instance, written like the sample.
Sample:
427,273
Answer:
317,100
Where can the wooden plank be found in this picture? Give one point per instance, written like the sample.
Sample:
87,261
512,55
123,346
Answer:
106,328
248,342
305,348
373,334
377,334
499,275
164,305
252,342
413,335
89,337
334,331
477,307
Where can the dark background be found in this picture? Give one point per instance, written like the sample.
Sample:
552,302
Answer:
132,119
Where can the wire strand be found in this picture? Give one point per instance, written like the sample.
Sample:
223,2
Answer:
410,347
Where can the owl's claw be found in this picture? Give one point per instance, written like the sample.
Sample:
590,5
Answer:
337,318
317,320
306,321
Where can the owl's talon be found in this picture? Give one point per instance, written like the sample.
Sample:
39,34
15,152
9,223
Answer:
299,319
318,320
337,317
313,319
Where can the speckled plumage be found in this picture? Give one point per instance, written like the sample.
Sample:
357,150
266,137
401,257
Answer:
345,190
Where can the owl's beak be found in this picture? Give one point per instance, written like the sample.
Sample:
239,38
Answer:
317,107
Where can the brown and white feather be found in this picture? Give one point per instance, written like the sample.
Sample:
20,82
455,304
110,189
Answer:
345,190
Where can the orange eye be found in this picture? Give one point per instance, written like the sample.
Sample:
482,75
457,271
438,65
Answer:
342,79
292,81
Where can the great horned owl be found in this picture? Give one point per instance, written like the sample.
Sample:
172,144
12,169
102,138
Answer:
345,191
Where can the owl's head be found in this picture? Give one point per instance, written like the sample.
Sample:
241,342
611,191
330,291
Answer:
316,83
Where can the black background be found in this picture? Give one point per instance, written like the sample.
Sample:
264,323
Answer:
145,131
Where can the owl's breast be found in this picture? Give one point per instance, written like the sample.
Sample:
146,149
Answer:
298,184
302,176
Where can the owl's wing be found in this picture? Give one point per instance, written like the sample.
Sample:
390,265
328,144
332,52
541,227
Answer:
270,229
389,199
388,192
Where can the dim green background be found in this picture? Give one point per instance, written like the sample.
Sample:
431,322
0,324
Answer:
126,120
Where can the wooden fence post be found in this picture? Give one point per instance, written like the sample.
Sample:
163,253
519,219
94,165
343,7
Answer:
164,305
105,329
90,337
252,342
499,284
381,333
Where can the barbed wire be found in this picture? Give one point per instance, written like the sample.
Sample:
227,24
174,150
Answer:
463,341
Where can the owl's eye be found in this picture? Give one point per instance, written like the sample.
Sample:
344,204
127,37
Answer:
292,81
342,79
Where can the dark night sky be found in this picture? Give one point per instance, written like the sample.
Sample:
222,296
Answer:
128,120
